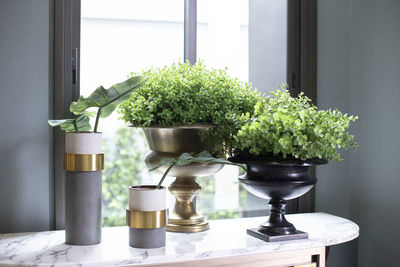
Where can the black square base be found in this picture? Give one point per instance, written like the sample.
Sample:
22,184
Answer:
275,238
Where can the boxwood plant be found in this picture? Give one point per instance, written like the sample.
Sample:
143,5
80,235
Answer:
284,126
183,94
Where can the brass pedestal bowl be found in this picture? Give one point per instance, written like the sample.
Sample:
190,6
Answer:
171,142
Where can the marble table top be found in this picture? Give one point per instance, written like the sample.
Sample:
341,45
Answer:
226,238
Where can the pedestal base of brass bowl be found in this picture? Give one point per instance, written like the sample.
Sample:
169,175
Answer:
171,143
184,217
195,228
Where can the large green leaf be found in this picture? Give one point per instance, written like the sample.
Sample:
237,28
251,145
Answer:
108,99
81,122
55,123
186,158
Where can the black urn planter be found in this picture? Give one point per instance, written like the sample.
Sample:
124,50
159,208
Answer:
277,180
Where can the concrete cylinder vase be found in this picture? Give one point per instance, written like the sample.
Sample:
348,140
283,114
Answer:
83,162
147,216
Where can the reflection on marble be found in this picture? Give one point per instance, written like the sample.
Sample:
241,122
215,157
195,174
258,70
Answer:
226,238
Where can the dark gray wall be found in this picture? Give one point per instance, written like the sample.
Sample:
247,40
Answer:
26,187
359,72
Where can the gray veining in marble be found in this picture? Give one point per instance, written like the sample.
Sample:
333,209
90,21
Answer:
226,238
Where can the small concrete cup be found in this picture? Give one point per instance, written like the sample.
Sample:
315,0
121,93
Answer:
147,216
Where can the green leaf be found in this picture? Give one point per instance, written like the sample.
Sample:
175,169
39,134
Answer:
186,158
108,99
90,113
79,124
165,162
202,157
55,123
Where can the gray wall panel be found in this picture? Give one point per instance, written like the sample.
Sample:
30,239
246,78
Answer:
25,104
359,72
333,90
375,95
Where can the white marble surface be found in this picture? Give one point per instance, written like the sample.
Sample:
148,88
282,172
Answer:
226,238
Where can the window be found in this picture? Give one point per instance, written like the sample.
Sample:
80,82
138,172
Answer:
118,37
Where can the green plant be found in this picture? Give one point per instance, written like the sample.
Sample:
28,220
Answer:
184,94
284,126
106,100
79,123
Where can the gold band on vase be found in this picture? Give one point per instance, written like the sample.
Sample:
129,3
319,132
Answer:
83,162
146,219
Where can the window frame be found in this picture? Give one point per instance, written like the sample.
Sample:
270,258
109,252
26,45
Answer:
301,73
302,70
67,15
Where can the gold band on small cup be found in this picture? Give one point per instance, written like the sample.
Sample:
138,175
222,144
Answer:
146,219
83,162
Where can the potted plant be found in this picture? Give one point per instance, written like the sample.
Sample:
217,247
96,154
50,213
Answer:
84,160
187,109
279,143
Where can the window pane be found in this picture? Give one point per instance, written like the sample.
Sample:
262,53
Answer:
223,35
123,36
248,37
119,37
267,43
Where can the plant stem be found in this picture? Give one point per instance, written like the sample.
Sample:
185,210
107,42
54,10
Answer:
97,120
165,175
75,125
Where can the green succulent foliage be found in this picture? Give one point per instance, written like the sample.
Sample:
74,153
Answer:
80,123
185,94
284,126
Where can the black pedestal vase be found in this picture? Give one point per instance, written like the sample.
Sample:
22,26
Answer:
277,180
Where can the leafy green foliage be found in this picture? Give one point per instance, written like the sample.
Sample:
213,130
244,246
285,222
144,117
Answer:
284,126
123,167
185,94
186,158
106,100
78,124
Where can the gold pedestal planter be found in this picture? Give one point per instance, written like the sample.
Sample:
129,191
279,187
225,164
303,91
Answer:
171,143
